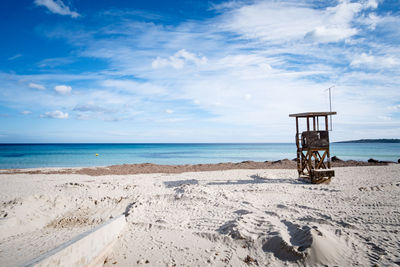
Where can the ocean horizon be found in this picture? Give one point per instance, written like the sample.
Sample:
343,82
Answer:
38,155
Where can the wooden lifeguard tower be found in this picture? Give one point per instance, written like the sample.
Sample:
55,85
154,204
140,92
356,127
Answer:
311,144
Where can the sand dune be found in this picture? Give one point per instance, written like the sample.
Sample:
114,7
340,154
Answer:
216,218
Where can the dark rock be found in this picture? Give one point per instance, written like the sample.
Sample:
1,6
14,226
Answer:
295,159
373,161
249,260
336,159
398,161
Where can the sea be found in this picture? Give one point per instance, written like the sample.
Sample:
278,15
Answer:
80,155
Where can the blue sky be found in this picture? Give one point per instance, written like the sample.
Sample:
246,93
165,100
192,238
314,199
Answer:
196,71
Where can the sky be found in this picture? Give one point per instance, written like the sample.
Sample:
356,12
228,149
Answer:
196,71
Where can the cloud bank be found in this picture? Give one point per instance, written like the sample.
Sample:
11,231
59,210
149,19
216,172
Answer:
232,76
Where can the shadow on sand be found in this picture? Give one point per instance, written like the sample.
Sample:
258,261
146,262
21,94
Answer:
256,179
171,184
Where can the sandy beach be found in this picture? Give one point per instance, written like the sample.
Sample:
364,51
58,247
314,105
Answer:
227,217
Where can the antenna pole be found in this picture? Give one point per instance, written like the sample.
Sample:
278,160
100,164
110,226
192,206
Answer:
330,103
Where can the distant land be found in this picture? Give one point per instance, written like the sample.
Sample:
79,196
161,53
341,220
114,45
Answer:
372,141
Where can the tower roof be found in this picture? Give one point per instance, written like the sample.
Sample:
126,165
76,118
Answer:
312,114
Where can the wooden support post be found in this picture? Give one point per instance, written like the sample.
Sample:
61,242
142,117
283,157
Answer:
321,161
297,133
309,165
317,123
328,158
313,120
308,123
326,123
303,162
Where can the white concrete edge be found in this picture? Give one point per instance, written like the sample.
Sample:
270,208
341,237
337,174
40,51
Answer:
87,249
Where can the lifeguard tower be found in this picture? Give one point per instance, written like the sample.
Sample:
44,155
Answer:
311,144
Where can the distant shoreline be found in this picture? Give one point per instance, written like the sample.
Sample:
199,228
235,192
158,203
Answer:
371,141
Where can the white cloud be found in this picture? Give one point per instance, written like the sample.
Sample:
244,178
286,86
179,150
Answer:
244,60
286,21
55,115
15,57
178,60
169,111
336,25
374,62
190,57
134,87
57,7
371,4
63,89
26,112
83,116
271,21
37,86
371,20
54,62
395,107
90,108
172,61
323,34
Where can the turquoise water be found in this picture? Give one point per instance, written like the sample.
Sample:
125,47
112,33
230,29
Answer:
75,155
